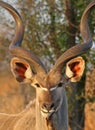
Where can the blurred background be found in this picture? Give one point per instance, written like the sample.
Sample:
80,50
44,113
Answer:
51,27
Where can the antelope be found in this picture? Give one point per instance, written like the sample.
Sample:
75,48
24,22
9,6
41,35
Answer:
51,112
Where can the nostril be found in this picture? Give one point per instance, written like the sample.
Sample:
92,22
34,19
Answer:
52,105
48,106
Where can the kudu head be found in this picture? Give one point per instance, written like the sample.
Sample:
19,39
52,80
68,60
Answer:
49,85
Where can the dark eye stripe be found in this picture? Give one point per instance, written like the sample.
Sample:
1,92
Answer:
37,85
60,84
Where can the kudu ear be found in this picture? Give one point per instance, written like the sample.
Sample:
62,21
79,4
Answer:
21,70
75,69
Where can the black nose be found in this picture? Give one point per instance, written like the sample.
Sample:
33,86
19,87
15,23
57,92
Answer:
48,106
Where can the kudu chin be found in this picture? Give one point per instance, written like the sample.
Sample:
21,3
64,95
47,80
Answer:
51,102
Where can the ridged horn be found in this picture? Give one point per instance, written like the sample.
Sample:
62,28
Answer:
77,49
14,47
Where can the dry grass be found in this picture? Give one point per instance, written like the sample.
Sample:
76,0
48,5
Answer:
13,96
90,105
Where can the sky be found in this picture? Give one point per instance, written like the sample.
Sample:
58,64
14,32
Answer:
10,1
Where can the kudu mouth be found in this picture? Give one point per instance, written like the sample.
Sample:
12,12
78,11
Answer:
47,114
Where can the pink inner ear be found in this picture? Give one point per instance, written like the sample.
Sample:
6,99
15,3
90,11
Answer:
20,70
75,67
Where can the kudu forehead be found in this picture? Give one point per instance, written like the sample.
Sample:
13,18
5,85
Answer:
48,81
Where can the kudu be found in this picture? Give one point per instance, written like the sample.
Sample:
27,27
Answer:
51,102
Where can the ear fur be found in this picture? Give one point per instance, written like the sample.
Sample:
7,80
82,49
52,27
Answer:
21,69
75,69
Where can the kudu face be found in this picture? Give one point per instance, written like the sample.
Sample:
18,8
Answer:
49,85
49,99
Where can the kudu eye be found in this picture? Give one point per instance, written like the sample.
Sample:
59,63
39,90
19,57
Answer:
37,85
60,84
